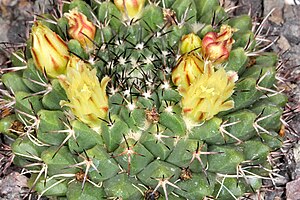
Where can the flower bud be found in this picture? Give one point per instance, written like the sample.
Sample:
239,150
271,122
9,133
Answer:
87,97
216,47
207,96
131,8
188,68
49,51
189,43
81,28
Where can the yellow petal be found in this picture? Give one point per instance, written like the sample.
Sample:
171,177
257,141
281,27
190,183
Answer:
87,96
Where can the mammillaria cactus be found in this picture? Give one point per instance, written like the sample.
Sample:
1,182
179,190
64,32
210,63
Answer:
137,99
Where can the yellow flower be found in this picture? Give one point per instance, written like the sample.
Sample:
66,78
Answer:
188,68
131,8
207,96
81,29
49,51
217,46
87,97
190,42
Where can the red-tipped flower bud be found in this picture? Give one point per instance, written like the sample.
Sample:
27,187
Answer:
81,29
217,46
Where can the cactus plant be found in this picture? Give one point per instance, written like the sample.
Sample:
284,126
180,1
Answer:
130,99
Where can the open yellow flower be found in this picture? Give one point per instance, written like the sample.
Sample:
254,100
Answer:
49,51
207,96
87,96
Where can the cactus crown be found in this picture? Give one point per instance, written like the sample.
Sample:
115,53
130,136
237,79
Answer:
143,100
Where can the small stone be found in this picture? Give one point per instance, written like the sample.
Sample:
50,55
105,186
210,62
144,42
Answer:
283,43
13,186
290,12
17,32
4,26
291,32
293,190
255,6
270,4
277,16
297,153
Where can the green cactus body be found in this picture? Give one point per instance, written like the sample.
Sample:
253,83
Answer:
131,132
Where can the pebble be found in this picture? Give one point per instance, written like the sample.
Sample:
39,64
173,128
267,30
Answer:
255,6
13,186
293,190
4,26
283,43
296,152
277,16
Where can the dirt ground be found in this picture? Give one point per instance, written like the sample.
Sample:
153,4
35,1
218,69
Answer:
282,27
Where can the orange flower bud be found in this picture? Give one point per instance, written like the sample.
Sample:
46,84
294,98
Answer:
81,28
188,68
189,43
130,8
49,51
217,46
